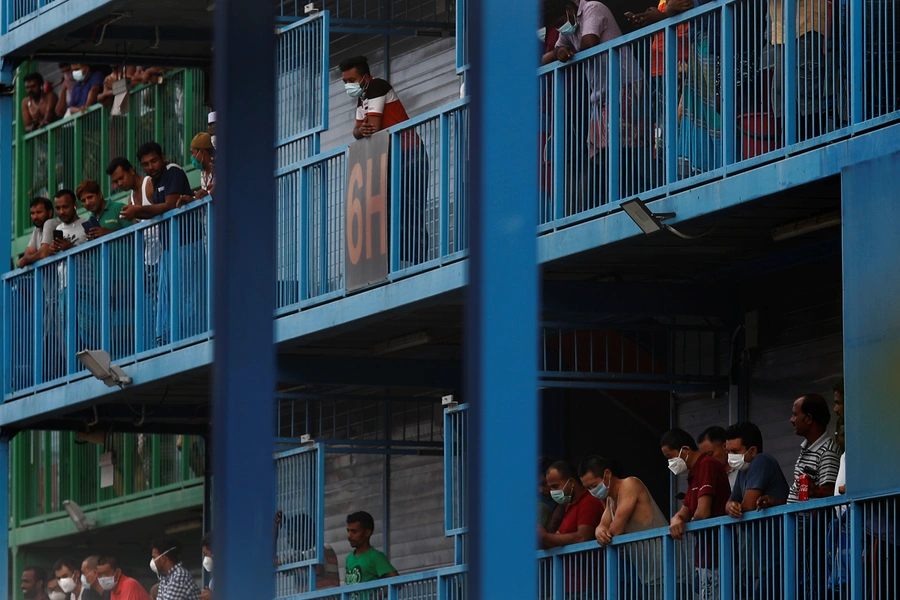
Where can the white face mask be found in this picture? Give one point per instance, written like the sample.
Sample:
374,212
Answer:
153,566
84,581
542,34
208,563
78,75
677,464
107,583
738,462
57,595
67,584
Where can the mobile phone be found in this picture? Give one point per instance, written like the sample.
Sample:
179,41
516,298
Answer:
57,234
90,224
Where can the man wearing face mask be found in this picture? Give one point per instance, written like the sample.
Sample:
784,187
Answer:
87,87
378,107
583,511
707,494
90,584
175,583
629,509
68,574
54,592
34,583
119,585
758,473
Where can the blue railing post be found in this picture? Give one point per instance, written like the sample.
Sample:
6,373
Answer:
726,553
668,555
558,131
671,83
558,583
444,195
71,317
857,61
789,32
611,566
502,301
729,132
396,193
614,112
105,317
37,296
857,549
244,366
304,236
789,557
174,291
139,297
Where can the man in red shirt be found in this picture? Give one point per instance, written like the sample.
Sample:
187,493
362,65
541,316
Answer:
707,494
583,511
119,585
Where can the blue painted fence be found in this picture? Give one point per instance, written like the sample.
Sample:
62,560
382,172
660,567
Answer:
136,292
717,89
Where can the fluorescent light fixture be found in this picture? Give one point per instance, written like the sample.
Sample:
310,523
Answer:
182,526
98,363
791,230
402,343
82,523
643,217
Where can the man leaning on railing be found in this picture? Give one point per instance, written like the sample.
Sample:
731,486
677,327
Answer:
42,237
39,106
707,494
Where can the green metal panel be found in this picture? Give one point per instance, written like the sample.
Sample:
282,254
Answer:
147,505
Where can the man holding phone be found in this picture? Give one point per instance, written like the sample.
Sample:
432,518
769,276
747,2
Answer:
44,229
70,231
105,216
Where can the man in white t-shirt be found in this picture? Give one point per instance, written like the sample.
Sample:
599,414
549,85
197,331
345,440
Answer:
42,237
70,224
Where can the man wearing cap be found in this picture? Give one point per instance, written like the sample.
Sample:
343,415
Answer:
203,156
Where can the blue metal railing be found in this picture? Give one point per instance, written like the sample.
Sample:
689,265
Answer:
300,501
449,583
138,290
302,88
428,207
707,92
817,549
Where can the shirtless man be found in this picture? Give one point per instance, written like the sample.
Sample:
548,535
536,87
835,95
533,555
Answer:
629,509
38,108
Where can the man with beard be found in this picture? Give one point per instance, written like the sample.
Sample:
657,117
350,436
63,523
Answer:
38,108
34,583
170,184
42,237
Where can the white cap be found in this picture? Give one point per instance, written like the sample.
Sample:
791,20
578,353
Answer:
212,117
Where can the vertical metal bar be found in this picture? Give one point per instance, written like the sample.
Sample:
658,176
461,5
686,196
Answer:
71,338
614,110
244,337
857,62
726,38
159,117
174,290
502,297
38,338
789,565
557,130
444,195
140,269
47,470
395,192
671,96
105,322
156,463
789,40
189,111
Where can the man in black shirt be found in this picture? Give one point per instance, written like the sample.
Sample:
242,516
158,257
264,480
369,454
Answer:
170,183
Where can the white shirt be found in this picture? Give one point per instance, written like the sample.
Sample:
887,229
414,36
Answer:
74,232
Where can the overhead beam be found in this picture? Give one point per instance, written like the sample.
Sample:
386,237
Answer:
611,298
338,370
130,33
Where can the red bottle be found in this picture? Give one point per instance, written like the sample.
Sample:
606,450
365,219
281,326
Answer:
803,484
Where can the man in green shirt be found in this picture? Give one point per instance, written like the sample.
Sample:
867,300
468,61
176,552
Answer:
365,563
106,213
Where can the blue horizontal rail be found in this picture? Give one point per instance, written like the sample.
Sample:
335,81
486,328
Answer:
449,583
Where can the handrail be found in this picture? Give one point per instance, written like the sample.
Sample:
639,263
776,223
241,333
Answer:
392,584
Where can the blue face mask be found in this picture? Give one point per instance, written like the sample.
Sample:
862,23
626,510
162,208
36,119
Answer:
197,164
568,28
354,90
542,34
600,491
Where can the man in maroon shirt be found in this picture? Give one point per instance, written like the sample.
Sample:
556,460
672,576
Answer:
707,494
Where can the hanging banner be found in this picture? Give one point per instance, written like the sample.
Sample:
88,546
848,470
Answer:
366,209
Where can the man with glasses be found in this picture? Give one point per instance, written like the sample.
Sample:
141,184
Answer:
175,583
